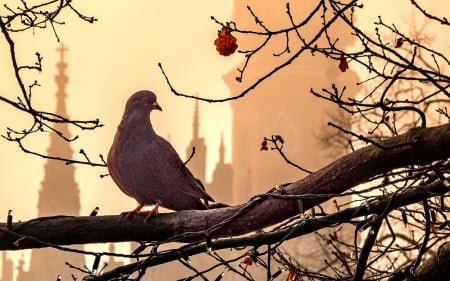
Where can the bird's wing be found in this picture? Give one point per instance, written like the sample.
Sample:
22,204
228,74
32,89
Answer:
171,163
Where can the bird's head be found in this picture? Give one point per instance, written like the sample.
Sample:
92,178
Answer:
143,101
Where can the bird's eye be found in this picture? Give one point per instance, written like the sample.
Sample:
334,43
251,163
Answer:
144,100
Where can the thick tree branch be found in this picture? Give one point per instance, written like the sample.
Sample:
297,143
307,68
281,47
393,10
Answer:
384,205
436,268
429,144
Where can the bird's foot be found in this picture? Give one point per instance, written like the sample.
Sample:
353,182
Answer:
132,212
137,211
154,211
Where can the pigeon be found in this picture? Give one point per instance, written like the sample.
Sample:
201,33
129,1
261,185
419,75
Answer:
146,167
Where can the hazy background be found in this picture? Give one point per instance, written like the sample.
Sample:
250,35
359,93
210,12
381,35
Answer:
116,56
107,62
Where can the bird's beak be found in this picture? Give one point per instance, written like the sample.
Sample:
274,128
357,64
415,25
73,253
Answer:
155,105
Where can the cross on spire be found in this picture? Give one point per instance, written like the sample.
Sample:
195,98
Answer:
62,49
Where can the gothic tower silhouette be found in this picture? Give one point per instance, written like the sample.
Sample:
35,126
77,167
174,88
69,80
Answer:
59,193
222,178
220,186
197,164
281,105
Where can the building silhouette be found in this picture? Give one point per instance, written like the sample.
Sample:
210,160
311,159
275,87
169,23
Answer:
58,195
220,186
197,163
112,262
7,267
281,105
222,178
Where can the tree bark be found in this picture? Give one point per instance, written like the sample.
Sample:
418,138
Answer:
435,268
418,146
257,239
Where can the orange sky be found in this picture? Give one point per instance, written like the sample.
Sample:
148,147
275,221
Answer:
108,61
111,59
116,56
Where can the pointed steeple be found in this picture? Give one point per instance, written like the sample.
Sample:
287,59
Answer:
195,123
197,164
222,177
61,80
59,193
221,150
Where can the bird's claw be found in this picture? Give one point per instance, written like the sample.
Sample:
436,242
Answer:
135,211
148,214
128,214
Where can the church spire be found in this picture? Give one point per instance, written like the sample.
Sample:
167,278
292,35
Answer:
59,193
61,80
221,150
222,177
197,164
196,123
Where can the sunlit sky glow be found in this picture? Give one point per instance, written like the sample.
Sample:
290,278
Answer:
111,59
